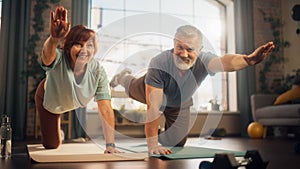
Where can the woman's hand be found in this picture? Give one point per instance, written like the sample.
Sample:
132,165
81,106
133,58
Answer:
59,25
111,150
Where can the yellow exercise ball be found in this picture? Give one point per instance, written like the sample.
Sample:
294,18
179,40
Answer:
255,130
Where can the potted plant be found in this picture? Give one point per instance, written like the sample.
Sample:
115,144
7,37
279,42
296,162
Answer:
214,104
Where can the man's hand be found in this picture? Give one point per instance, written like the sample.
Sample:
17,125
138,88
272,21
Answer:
259,54
59,25
159,150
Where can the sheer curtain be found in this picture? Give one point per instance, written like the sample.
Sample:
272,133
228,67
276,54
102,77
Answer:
244,44
14,38
13,64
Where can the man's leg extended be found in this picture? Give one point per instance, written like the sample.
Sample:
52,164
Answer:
134,87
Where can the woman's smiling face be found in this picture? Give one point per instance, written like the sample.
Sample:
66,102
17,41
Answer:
80,46
82,51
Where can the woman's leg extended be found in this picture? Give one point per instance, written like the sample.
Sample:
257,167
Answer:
49,122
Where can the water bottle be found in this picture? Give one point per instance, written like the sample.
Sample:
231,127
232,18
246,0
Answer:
5,135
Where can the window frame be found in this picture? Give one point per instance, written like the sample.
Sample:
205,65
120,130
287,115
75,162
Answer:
229,94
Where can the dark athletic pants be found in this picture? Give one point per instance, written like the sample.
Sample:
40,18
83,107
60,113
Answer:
177,118
49,122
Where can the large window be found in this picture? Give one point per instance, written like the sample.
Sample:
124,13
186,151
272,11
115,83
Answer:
134,50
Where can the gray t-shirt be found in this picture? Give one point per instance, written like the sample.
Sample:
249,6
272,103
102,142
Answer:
163,73
63,93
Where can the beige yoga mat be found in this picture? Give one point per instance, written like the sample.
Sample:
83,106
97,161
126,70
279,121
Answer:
78,152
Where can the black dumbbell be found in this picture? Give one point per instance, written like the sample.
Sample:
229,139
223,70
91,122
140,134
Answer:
297,147
252,160
256,160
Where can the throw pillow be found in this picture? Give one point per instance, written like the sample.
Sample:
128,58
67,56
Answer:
290,95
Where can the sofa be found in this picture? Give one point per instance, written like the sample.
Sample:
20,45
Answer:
265,112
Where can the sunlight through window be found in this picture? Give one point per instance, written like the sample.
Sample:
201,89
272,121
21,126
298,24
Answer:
208,16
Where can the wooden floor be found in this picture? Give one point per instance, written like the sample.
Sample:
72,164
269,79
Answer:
278,151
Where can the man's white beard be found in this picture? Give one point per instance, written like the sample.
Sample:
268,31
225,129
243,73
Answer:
180,64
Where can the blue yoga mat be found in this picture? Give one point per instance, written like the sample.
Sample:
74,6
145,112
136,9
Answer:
186,152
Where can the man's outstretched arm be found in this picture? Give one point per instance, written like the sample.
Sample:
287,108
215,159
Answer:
235,62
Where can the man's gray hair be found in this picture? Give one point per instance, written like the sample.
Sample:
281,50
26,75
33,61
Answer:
189,31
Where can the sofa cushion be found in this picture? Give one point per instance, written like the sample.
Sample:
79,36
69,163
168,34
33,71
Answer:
288,96
279,111
279,122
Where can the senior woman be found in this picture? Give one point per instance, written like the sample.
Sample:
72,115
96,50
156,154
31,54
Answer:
73,78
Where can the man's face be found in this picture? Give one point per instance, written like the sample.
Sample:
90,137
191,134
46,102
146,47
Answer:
186,51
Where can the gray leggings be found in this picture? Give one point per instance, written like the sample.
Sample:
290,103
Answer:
177,118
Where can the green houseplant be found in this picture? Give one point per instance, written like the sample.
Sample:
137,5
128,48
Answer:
276,57
285,83
34,70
